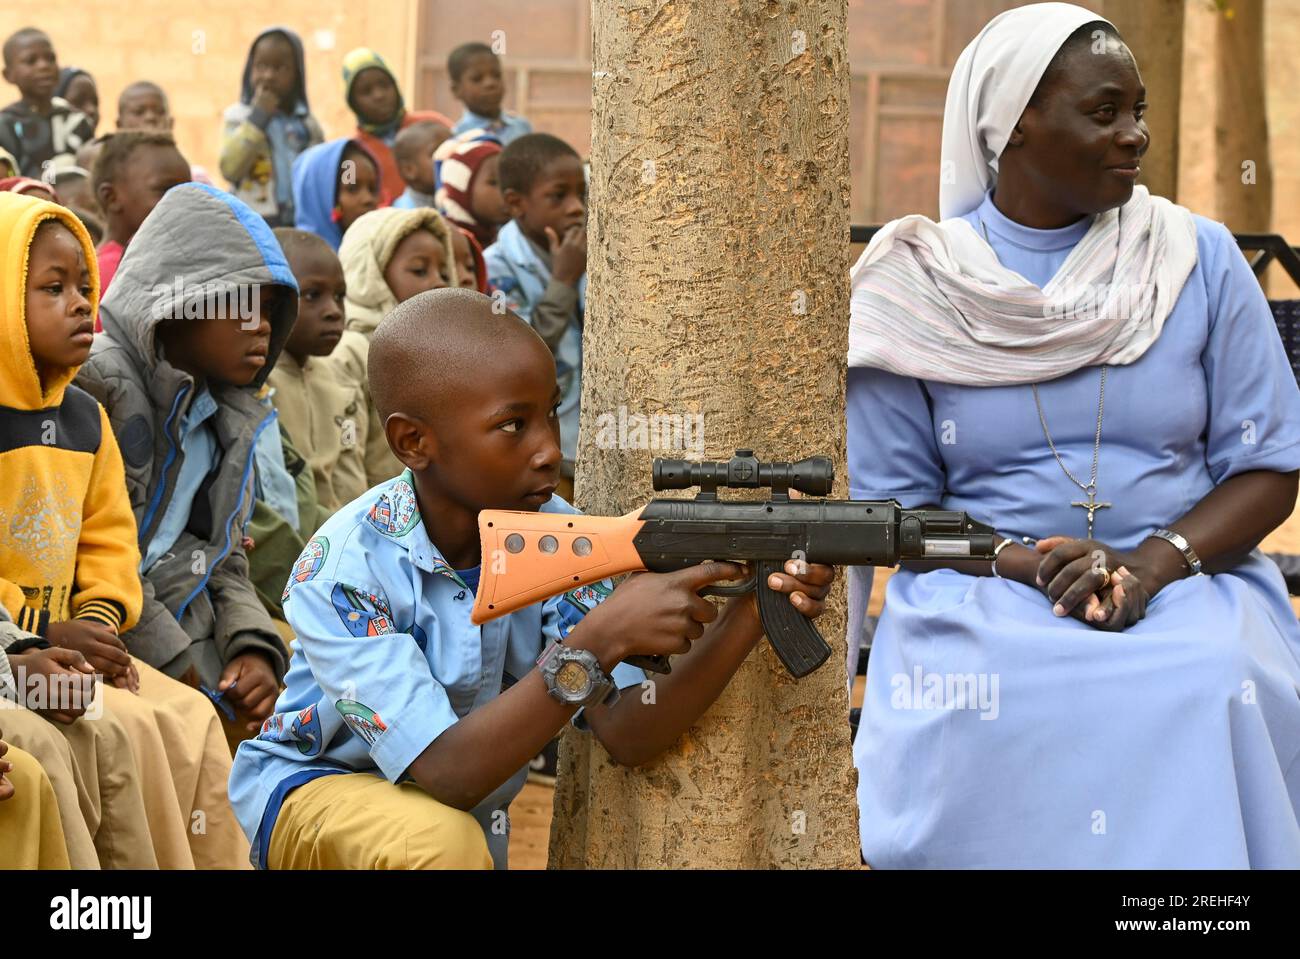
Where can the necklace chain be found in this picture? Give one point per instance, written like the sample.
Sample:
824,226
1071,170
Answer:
1092,505
1091,487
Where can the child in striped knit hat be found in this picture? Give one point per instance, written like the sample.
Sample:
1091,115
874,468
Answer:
469,194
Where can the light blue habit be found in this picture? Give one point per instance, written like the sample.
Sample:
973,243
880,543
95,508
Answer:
1173,744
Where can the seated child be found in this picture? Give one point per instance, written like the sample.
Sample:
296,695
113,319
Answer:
143,106
324,411
78,88
469,191
404,731
388,257
539,260
475,73
132,172
178,369
333,184
40,128
413,150
68,564
269,127
370,89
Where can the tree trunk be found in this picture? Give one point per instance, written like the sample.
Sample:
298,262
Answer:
1153,30
1243,171
719,286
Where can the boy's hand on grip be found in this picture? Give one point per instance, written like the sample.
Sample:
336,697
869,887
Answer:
808,585
657,614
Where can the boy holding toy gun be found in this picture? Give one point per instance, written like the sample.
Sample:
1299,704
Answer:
405,730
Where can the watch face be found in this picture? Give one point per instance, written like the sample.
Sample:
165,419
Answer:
572,679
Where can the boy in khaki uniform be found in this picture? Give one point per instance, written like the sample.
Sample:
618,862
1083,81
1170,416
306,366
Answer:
323,409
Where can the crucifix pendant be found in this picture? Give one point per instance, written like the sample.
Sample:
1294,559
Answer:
1091,506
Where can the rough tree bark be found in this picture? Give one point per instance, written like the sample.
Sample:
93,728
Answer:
1153,30
1243,170
718,277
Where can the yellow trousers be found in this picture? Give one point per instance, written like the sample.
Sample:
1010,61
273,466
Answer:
184,763
31,833
360,821
96,783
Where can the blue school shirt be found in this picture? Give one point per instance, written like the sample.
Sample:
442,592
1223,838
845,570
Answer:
385,659
509,126
199,455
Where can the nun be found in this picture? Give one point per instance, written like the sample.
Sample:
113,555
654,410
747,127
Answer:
1095,372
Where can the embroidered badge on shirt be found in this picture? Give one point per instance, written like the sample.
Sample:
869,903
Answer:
394,512
577,603
308,564
361,719
364,614
306,730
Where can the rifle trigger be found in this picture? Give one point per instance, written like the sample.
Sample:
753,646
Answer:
738,590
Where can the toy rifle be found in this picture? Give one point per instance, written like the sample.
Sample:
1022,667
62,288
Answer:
528,557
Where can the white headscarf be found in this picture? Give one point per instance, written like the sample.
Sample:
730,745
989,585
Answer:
932,301
988,91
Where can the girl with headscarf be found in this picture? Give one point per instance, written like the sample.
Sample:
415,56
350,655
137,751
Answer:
1095,372
370,88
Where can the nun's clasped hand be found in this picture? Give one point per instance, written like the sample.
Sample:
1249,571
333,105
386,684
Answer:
1092,582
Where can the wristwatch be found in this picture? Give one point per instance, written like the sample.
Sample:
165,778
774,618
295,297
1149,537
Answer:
574,676
1180,543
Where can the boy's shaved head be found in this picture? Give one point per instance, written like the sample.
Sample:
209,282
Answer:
18,38
294,241
419,138
469,400
141,88
424,351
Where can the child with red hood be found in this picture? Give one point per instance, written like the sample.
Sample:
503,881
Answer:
469,193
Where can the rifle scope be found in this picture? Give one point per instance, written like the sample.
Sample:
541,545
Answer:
814,475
